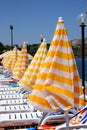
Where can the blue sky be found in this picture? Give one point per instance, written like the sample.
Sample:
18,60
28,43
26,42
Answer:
31,18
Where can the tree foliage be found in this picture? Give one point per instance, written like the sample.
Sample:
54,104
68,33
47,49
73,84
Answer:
34,47
1,48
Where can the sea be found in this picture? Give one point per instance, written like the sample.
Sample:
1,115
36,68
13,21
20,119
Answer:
79,65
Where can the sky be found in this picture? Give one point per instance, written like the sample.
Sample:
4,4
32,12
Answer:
31,18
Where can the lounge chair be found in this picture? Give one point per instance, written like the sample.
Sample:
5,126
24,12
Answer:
16,108
5,97
78,121
57,117
13,102
7,92
20,119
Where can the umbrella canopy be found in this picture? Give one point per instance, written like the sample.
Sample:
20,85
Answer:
24,58
6,56
31,74
21,64
16,69
58,84
12,60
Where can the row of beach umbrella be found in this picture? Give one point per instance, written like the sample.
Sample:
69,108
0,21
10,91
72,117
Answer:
51,76
21,64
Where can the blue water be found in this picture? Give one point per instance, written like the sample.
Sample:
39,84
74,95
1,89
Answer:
79,65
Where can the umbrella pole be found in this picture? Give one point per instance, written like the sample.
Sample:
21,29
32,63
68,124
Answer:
67,119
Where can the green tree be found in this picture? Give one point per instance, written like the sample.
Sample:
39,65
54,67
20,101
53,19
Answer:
1,48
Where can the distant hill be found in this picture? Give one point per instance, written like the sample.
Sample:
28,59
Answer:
77,42
77,47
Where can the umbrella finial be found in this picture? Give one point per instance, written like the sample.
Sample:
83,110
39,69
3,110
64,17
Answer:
42,36
24,43
60,19
44,39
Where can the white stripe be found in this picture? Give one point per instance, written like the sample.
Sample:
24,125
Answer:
60,48
53,48
35,63
61,73
58,84
16,70
41,107
62,61
16,73
66,50
62,37
41,48
27,73
60,26
34,68
24,54
78,95
40,54
26,79
50,100
38,93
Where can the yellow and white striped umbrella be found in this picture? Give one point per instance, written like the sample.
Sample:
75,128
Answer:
6,57
21,64
31,74
14,58
11,59
24,59
17,66
58,84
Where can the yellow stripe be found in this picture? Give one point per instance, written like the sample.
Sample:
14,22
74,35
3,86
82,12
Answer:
42,76
79,101
61,43
38,87
33,77
58,78
27,76
60,22
42,50
54,43
31,82
65,56
43,102
78,89
61,55
31,71
51,53
62,67
23,82
39,100
57,90
37,64
63,101
60,32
